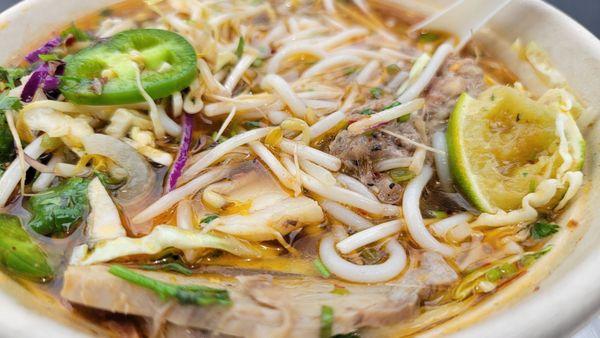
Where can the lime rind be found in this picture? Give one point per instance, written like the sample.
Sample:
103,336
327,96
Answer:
495,159
460,168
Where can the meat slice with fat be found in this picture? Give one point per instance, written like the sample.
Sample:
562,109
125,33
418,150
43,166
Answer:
264,305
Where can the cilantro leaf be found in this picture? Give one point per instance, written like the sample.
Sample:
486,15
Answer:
7,149
9,102
76,33
11,76
59,209
543,229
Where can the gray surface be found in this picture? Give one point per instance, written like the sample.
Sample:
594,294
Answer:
587,12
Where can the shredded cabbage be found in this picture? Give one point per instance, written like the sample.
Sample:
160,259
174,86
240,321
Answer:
161,238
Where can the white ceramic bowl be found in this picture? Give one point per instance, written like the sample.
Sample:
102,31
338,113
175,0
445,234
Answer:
553,299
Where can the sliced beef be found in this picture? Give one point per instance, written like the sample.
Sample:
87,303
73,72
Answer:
267,306
457,75
359,153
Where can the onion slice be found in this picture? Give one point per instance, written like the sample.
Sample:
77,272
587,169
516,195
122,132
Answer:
182,154
141,176
385,271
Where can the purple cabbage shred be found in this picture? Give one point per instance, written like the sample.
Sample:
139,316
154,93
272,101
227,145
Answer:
45,49
43,76
182,155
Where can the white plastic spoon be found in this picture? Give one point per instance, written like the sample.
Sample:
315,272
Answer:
462,19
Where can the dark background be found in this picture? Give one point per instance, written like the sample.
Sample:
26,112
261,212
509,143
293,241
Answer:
587,12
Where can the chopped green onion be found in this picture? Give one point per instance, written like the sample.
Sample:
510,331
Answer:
392,69
239,51
258,62
76,33
529,259
350,70
347,335
401,119
391,105
340,291
428,37
209,218
439,214
109,182
326,322
51,143
371,256
184,294
532,185
499,272
493,275
48,57
367,111
321,268
106,12
400,175
376,92
221,138
252,124
175,267
508,270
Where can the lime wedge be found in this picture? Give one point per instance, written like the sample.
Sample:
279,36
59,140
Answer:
501,145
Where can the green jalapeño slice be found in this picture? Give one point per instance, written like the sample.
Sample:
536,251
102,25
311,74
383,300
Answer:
106,73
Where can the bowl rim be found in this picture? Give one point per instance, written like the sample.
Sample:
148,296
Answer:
504,323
